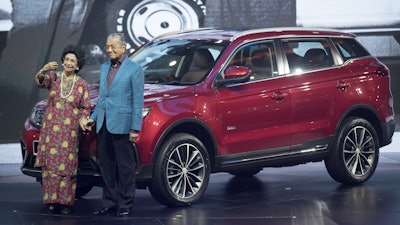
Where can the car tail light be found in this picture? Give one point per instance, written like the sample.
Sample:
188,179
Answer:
382,71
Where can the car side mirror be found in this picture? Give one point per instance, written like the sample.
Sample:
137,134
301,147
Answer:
233,75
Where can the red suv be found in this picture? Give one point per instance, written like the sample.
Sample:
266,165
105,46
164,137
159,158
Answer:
239,101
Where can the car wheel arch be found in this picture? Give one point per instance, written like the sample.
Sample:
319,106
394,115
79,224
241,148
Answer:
191,126
362,111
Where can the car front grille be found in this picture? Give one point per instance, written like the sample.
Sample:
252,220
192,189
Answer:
85,166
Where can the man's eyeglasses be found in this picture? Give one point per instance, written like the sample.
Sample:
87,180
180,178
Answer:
113,47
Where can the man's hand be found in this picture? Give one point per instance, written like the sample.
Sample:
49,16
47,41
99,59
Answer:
133,135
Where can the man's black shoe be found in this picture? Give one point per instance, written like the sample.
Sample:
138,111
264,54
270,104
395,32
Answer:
123,212
106,211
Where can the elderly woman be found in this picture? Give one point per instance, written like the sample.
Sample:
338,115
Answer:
67,103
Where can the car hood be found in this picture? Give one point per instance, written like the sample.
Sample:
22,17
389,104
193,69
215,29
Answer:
157,92
152,93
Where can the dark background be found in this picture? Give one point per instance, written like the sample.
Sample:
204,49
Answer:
41,29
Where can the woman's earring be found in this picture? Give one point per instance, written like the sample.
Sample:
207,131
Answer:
77,68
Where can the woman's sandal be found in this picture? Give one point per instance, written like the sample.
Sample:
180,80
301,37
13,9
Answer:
51,209
65,210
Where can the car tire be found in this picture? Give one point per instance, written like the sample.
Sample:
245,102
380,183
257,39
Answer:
82,190
181,172
354,156
143,20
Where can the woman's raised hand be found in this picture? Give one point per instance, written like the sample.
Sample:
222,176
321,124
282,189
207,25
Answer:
50,66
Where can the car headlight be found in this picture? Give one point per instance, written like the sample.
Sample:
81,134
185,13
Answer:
145,112
36,116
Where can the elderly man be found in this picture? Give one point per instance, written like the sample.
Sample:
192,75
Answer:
118,115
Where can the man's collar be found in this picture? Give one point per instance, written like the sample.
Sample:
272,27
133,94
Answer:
119,62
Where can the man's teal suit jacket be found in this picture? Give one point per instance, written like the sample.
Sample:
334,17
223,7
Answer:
122,103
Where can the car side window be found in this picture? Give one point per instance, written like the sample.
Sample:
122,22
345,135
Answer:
259,58
349,48
304,55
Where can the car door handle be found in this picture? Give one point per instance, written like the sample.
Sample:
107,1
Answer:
342,85
278,95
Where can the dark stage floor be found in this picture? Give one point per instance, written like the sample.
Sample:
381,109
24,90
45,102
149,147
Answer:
299,195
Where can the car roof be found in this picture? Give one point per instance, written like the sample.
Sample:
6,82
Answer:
232,34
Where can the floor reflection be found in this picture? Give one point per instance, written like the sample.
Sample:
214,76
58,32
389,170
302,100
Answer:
300,195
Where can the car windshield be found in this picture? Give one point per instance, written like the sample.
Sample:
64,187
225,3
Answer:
178,62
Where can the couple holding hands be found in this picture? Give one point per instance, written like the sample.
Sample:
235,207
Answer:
118,119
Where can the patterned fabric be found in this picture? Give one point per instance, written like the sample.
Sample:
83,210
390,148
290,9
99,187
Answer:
58,142
58,189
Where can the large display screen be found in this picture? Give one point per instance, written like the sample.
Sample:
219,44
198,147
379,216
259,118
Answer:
35,32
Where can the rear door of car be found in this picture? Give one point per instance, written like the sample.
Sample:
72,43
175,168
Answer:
319,92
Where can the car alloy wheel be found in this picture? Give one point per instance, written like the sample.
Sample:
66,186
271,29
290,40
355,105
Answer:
354,157
182,171
359,151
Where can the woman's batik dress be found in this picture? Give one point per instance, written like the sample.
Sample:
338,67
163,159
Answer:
58,142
